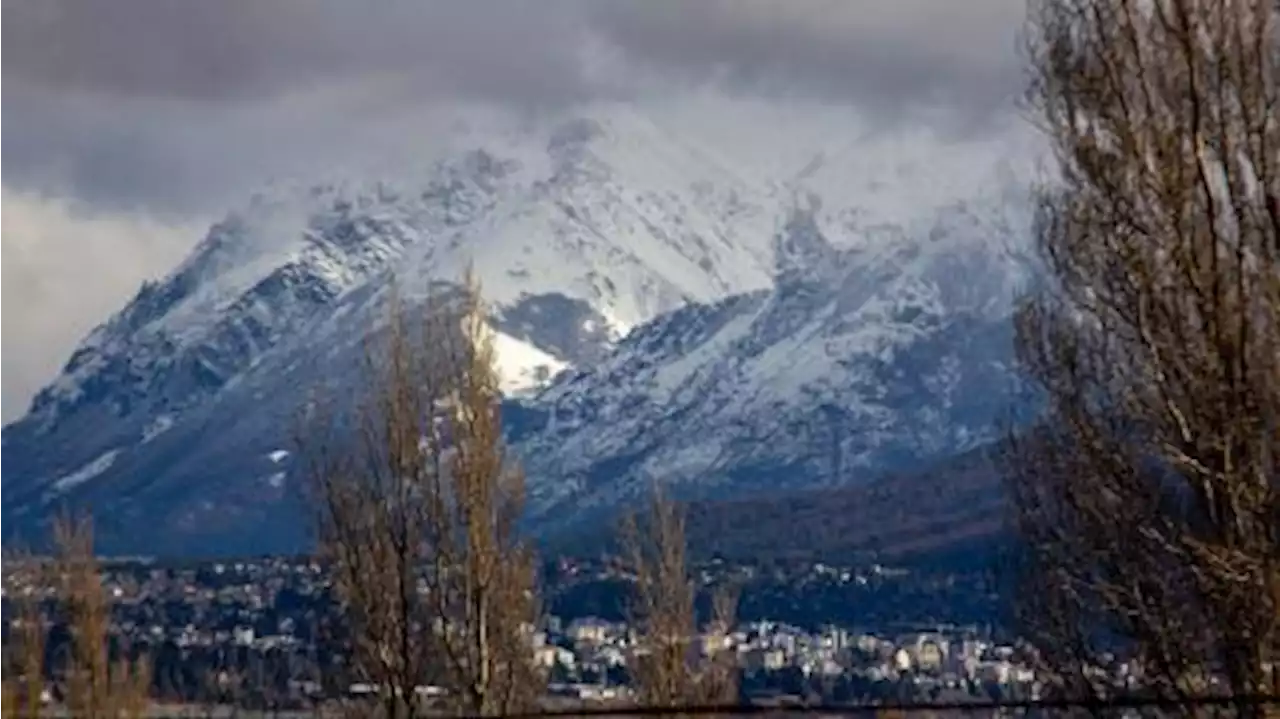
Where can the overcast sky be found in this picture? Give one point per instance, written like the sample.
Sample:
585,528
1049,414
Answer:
128,123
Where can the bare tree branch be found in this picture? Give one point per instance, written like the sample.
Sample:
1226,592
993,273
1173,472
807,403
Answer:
416,508
1148,499
669,667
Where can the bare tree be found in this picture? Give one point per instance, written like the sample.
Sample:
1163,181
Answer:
418,517
482,576
670,667
1147,497
365,474
24,652
96,683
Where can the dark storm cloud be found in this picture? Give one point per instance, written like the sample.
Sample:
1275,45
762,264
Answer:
187,156
877,52
177,105
887,56
244,49
166,102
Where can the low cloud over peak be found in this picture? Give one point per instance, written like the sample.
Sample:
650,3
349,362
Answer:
128,123
65,268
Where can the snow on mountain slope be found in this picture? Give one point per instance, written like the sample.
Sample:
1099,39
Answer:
579,227
521,366
593,214
678,296
857,361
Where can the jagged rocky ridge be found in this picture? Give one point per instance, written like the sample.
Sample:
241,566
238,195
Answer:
855,363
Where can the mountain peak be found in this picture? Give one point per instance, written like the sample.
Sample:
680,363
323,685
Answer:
801,249
661,308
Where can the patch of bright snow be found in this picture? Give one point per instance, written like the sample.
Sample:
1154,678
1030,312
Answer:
158,427
521,366
86,472
277,456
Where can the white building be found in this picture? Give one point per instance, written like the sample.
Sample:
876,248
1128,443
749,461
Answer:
589,629
902,660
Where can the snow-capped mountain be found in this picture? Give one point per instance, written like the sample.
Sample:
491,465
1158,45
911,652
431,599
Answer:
664,308
857,361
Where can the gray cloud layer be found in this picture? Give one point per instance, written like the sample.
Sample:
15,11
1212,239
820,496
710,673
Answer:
884,55
875,51
176,105
153,114
140,101
64,268
244,49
